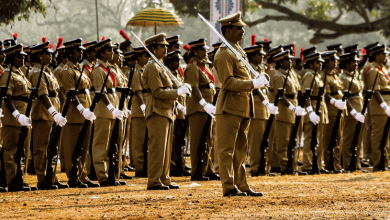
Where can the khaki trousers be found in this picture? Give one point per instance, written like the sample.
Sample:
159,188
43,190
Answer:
307,153
215,150
160,135
10,144
101,142
349,131
127,144
232,146
255,137
337,149
378,125
283,138
71,133
197,123
137,142
367,137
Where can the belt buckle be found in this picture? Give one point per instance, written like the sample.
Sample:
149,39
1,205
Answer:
212,86
87,91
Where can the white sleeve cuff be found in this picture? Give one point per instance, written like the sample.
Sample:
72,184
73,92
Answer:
265,102
332,101
15,113
80,107
353,112
309,109
383,105
143,106
110,107
180,107
52,110
292,107
202,102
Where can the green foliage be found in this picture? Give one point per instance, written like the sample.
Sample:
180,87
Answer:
318,9
19,10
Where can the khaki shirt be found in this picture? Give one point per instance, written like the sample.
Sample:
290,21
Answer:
318,82
356,87
98,77
271,71
382,84
161,101
26,67
292,87
333,85
70,74
181,99
121,82
57,74
18,86
137,85
48,85
218,84
195,76
261,111
235,96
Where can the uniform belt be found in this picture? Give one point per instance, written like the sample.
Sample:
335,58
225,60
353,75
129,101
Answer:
19,98
111,91
385,92
356,94
339,92
148,90
120,89
291,96
53,94
315,97
145,90
207,86
92,89
83,91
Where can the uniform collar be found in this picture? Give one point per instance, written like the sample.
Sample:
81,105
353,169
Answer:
377,65
89,64
101,62
197,60
72,65
257,68
138,67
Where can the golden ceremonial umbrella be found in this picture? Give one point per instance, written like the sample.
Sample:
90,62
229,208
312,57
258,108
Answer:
155,17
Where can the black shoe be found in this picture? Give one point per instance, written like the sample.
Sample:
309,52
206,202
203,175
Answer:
300,163
121,183
309,172
141,174
61,186
301,173
203,178
173,186
364,171
41,186
126,177
213,176
79,185
159,187
186,173
254,174
104,184
362,164
129,168
125,169
275,170
176,174
90,184
3,189
16,189
253,193
187,168
324,171
234,192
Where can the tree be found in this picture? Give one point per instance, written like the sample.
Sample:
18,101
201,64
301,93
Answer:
322,16
19,9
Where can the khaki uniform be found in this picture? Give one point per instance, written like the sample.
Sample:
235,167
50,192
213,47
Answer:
218,86
356,100
197,116
70,74
308,125
367,121
285,120
160,104
334,87
234,110
271,71
26,67
18,87
377,114
128,137
256,130
104,122
42,120
138,120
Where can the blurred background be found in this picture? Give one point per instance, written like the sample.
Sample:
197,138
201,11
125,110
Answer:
285,23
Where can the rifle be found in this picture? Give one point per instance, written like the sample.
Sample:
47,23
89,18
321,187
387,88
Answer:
335,129
72,182
367,99
17,182
293,136
382,165
202,147
114,141
3,94
314,141
265,142
52,149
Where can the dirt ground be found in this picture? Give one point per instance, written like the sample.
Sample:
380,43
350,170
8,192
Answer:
341,196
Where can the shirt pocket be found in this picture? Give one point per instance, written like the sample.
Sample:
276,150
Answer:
238,101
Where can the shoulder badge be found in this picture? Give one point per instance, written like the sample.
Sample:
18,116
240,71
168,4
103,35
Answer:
35,71
151,61
65,68
372,68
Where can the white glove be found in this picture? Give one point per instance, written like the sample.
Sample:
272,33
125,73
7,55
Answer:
357,116
340,104
86,113
183,89
1,113
61,121
385,108
128,111
143,107
209,108
259,82
297,110
115,112
182,108
314,118
22,119
271,107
